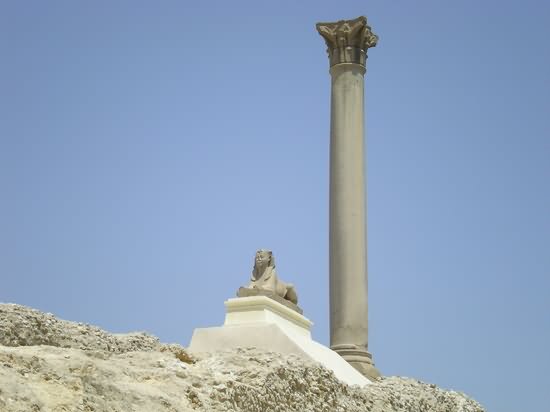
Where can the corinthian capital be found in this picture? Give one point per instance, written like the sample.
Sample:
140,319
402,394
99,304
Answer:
348,40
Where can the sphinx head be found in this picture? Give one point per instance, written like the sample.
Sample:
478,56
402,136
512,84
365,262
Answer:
264,259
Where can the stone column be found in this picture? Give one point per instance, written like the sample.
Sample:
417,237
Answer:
347,43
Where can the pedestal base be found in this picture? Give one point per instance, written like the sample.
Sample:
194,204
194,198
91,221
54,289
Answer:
247,292
359,358
261,322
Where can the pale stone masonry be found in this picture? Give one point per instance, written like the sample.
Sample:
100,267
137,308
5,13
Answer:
265,324
348,42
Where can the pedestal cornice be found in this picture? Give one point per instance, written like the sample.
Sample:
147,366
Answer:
348,40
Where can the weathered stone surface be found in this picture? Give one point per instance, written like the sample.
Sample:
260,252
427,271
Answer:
264,278
348,41
247,292
76,371
23,326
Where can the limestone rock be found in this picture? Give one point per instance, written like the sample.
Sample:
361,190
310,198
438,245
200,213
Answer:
47,364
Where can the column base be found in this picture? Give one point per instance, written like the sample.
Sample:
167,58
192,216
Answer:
359,358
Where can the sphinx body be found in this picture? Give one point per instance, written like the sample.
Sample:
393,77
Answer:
264,278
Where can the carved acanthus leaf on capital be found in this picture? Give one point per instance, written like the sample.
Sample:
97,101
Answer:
348,40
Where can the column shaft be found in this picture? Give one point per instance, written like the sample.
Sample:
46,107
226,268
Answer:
348,266
347,42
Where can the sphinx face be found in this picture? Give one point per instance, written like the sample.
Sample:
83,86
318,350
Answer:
262,259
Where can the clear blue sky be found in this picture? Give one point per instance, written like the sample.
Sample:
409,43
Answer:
147,149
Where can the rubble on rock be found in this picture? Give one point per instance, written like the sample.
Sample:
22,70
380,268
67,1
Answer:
47,364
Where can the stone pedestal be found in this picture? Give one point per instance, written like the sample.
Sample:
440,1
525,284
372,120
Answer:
261,322
247,292
347,43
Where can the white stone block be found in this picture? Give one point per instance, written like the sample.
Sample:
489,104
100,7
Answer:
261,322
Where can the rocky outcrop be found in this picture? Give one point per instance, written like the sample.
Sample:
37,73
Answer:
47,364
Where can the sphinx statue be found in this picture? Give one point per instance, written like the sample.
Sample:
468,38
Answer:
264,281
